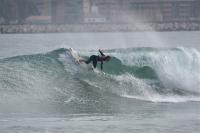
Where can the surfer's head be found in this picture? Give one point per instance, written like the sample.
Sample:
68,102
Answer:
107,58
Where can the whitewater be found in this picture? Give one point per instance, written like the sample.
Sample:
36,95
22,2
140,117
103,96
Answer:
150,85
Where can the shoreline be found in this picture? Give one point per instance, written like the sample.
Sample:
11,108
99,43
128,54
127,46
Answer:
65,28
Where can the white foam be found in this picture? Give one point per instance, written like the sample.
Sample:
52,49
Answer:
176,68
160,98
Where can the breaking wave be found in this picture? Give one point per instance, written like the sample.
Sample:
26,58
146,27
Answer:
147,74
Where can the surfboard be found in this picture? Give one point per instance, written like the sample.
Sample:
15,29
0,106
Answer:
75,55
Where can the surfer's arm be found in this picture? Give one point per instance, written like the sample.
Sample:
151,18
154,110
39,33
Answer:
100,51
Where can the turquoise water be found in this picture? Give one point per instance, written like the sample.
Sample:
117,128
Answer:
148,86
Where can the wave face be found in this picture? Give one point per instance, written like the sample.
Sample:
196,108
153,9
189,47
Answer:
156,75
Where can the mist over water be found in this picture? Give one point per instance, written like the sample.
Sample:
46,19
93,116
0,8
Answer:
20,44
153,78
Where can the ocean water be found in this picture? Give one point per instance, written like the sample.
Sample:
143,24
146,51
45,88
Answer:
151,85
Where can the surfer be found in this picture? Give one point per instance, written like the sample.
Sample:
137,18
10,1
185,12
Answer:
96,58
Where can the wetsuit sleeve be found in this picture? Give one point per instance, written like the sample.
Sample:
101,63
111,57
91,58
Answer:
101,53
101,65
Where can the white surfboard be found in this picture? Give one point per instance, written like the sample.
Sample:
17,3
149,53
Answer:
75,55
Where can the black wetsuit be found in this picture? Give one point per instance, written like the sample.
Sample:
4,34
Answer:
95,59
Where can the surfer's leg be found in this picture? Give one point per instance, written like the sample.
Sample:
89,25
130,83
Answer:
90,59
82,61
87,62
94,63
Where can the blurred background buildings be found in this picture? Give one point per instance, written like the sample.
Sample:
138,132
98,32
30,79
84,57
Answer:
124,11
98,11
